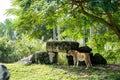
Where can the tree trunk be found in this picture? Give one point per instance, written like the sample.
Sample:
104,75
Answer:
85,37
54,34
58,32
90,31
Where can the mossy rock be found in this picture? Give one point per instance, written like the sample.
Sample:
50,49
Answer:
40,58
85,49
61,46
43,58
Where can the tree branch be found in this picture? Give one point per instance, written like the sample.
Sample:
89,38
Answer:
109,16
94,17
110,25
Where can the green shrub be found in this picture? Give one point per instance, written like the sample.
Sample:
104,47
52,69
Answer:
6,49
112,52
12,51
108,46
26,47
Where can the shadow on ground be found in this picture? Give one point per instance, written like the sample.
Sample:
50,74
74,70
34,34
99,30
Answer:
98,72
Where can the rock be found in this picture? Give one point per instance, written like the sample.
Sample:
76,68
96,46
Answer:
61,46
39,57
4,73
98,59
42,58
52,57
28,60
45,57
70,60
85,49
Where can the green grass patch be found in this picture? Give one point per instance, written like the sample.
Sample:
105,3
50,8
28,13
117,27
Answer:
61,72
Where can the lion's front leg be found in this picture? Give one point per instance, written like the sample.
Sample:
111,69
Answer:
75,61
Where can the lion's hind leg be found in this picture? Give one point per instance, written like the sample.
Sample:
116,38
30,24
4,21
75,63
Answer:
87,64
88,61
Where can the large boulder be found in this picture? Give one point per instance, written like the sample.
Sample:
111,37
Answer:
45,57
98,59
4,73
40,57
85,49
61,46
53,57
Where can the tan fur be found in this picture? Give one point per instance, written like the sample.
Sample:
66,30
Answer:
80,56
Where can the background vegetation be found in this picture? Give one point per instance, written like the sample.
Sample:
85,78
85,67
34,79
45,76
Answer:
94,23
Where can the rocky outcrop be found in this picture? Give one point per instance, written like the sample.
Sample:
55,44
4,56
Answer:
39,57
4,73
61,46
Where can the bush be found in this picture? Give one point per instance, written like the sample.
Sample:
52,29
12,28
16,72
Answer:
112,52
108,46
6,49
12,51
26,47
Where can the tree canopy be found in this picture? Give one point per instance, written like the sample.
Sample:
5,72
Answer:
72,15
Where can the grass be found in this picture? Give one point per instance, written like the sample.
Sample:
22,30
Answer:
62,72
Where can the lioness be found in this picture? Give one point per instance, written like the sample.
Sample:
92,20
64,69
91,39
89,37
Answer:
80,56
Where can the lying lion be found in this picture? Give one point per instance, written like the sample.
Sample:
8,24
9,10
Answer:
80,56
